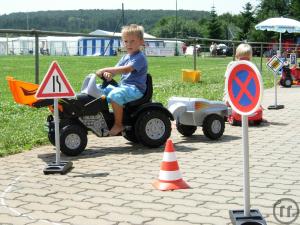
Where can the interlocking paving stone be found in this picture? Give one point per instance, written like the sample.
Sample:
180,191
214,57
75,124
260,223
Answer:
111,182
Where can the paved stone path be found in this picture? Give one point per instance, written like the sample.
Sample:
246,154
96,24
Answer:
111,181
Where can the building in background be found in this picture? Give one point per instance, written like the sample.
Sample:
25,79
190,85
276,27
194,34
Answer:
106,44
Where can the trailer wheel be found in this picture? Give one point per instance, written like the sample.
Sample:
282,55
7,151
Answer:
213,126
185,130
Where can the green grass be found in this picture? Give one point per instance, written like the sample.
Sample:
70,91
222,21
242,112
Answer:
22,127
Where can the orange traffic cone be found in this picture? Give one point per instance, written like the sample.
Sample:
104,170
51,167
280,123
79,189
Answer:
169,175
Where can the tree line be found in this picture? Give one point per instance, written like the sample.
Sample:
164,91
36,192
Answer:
162,23
85,21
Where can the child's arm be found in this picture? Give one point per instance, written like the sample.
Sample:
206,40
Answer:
115,70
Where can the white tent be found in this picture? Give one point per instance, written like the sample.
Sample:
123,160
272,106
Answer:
54,45
21,45
3,46
153,47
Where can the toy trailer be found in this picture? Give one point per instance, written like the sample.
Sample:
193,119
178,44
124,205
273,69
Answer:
190,113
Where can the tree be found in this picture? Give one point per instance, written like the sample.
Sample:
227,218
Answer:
185,28
230,25
246,22
214,27
295,9
273,8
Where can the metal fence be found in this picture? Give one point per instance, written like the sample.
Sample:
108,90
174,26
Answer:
37,42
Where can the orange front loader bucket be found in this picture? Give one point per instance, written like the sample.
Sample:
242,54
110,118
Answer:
23,92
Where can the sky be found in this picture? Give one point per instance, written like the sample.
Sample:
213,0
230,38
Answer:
222,6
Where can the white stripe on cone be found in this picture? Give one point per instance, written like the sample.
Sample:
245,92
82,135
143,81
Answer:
169,157
169,175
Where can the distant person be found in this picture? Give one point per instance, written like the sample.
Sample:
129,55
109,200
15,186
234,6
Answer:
243,52
133,69
184,47
213,49
198,50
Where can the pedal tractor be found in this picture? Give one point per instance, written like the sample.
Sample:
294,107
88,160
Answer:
290,76
144,121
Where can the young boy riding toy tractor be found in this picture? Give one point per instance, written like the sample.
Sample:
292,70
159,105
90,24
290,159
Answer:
144,121
134,114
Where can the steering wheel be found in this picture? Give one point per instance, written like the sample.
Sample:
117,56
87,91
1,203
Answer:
105,83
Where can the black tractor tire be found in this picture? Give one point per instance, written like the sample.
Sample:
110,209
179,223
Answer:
73,140
281,82
287,83
234,122
153,128
257,122
185,130
130,135
213,126
51,137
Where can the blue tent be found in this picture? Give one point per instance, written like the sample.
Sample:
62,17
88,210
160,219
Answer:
98,46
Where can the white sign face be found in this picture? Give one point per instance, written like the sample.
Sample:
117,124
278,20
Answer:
55,84
275,64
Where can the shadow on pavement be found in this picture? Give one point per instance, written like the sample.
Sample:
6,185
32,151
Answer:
263,124
93,151
276,124
204,139
91,175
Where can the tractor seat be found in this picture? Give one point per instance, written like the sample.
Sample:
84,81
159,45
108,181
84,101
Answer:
147,95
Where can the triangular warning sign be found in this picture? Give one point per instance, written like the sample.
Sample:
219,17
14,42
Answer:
55,84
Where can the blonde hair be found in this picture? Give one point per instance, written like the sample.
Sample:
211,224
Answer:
133,29
243,51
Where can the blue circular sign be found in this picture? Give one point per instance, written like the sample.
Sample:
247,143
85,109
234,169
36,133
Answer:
244,87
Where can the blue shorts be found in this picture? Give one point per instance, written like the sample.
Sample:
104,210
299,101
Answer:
122,94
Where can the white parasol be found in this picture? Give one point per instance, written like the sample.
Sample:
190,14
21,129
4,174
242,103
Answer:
281,25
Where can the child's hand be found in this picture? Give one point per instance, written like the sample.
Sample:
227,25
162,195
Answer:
107,76
99,73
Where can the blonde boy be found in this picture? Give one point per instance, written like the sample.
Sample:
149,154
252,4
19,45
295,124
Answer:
133,69
243,52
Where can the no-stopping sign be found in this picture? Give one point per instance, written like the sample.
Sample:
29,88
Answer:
244,87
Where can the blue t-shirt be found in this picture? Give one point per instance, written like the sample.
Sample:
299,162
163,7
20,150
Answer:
139,75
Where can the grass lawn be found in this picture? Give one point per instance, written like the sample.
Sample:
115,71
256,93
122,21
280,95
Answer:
22,127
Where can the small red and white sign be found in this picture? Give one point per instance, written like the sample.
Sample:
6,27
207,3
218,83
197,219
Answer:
55,84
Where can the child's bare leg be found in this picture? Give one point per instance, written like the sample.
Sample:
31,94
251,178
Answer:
118,114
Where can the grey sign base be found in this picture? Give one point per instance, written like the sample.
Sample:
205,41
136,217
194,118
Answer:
238,218
275,107
61,168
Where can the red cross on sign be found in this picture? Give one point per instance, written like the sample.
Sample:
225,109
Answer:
244,87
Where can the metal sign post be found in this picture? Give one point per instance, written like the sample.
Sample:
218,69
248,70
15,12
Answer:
54,86
246,166
244,88
56,126
58,166
275,64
